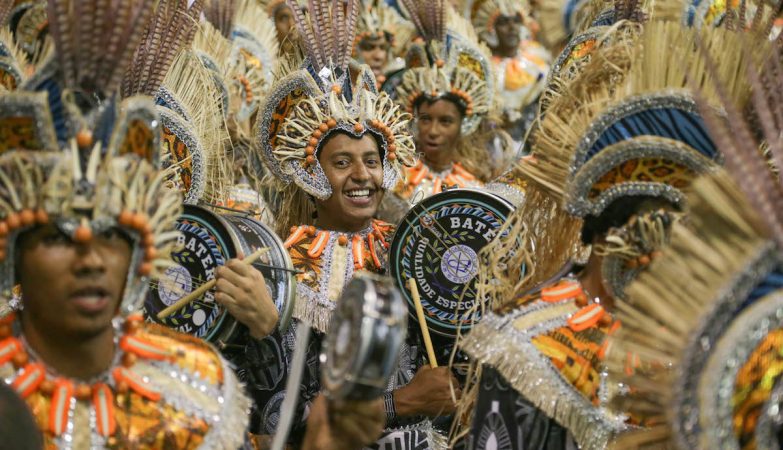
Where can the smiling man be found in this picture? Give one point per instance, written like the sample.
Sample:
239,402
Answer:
337,149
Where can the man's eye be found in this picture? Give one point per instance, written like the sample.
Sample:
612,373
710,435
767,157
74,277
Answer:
56,238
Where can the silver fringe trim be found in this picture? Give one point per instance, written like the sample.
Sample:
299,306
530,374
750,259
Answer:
532,375
313,308
435,440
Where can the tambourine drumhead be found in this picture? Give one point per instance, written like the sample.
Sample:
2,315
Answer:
209,240
437,243
365,335
206,244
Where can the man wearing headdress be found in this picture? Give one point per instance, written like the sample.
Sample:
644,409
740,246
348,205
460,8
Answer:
616,163
336,145
521,63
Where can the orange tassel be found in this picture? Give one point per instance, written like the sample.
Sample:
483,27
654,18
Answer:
103,402
121,374
319,244
58,409
144,348
357,248
295,236
28,381
586,317
8,348
371,243
437,186
561,291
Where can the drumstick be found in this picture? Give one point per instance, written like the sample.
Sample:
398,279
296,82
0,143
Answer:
205,287
425,332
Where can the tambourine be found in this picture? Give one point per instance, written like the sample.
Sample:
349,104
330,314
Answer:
365,335
209,240
438,243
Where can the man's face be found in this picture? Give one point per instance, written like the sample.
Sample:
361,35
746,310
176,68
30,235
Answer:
355,172
69,289
374,52
508,29
438,125
284,20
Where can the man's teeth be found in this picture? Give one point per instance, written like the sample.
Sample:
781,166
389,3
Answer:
358,193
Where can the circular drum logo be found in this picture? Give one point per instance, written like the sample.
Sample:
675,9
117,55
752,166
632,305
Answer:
459,264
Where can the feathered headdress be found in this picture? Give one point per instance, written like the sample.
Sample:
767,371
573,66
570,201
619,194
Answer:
307,106
450,62
75,156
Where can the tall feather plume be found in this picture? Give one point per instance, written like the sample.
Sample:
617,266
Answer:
171,28
95,39
353,20
221,13
308,38
743,157
328,30
412,8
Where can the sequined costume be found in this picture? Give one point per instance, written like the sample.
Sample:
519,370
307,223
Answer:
164,390
87,168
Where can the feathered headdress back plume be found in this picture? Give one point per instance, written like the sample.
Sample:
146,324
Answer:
101,36
711,378
328,31
221,14
429,17
171,28
737,139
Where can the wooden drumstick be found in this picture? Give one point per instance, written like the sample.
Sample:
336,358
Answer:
205,287
425,332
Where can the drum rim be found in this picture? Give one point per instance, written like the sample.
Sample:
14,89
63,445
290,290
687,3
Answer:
439,328
284,320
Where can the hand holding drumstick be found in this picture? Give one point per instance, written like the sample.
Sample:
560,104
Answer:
238,286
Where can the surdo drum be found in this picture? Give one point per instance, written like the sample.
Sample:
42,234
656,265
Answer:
209,240
437,244
366,332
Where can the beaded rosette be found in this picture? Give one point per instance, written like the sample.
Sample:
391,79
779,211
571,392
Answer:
630,249
309,105
450,61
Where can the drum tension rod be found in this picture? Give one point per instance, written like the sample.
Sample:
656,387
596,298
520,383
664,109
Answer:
284,269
